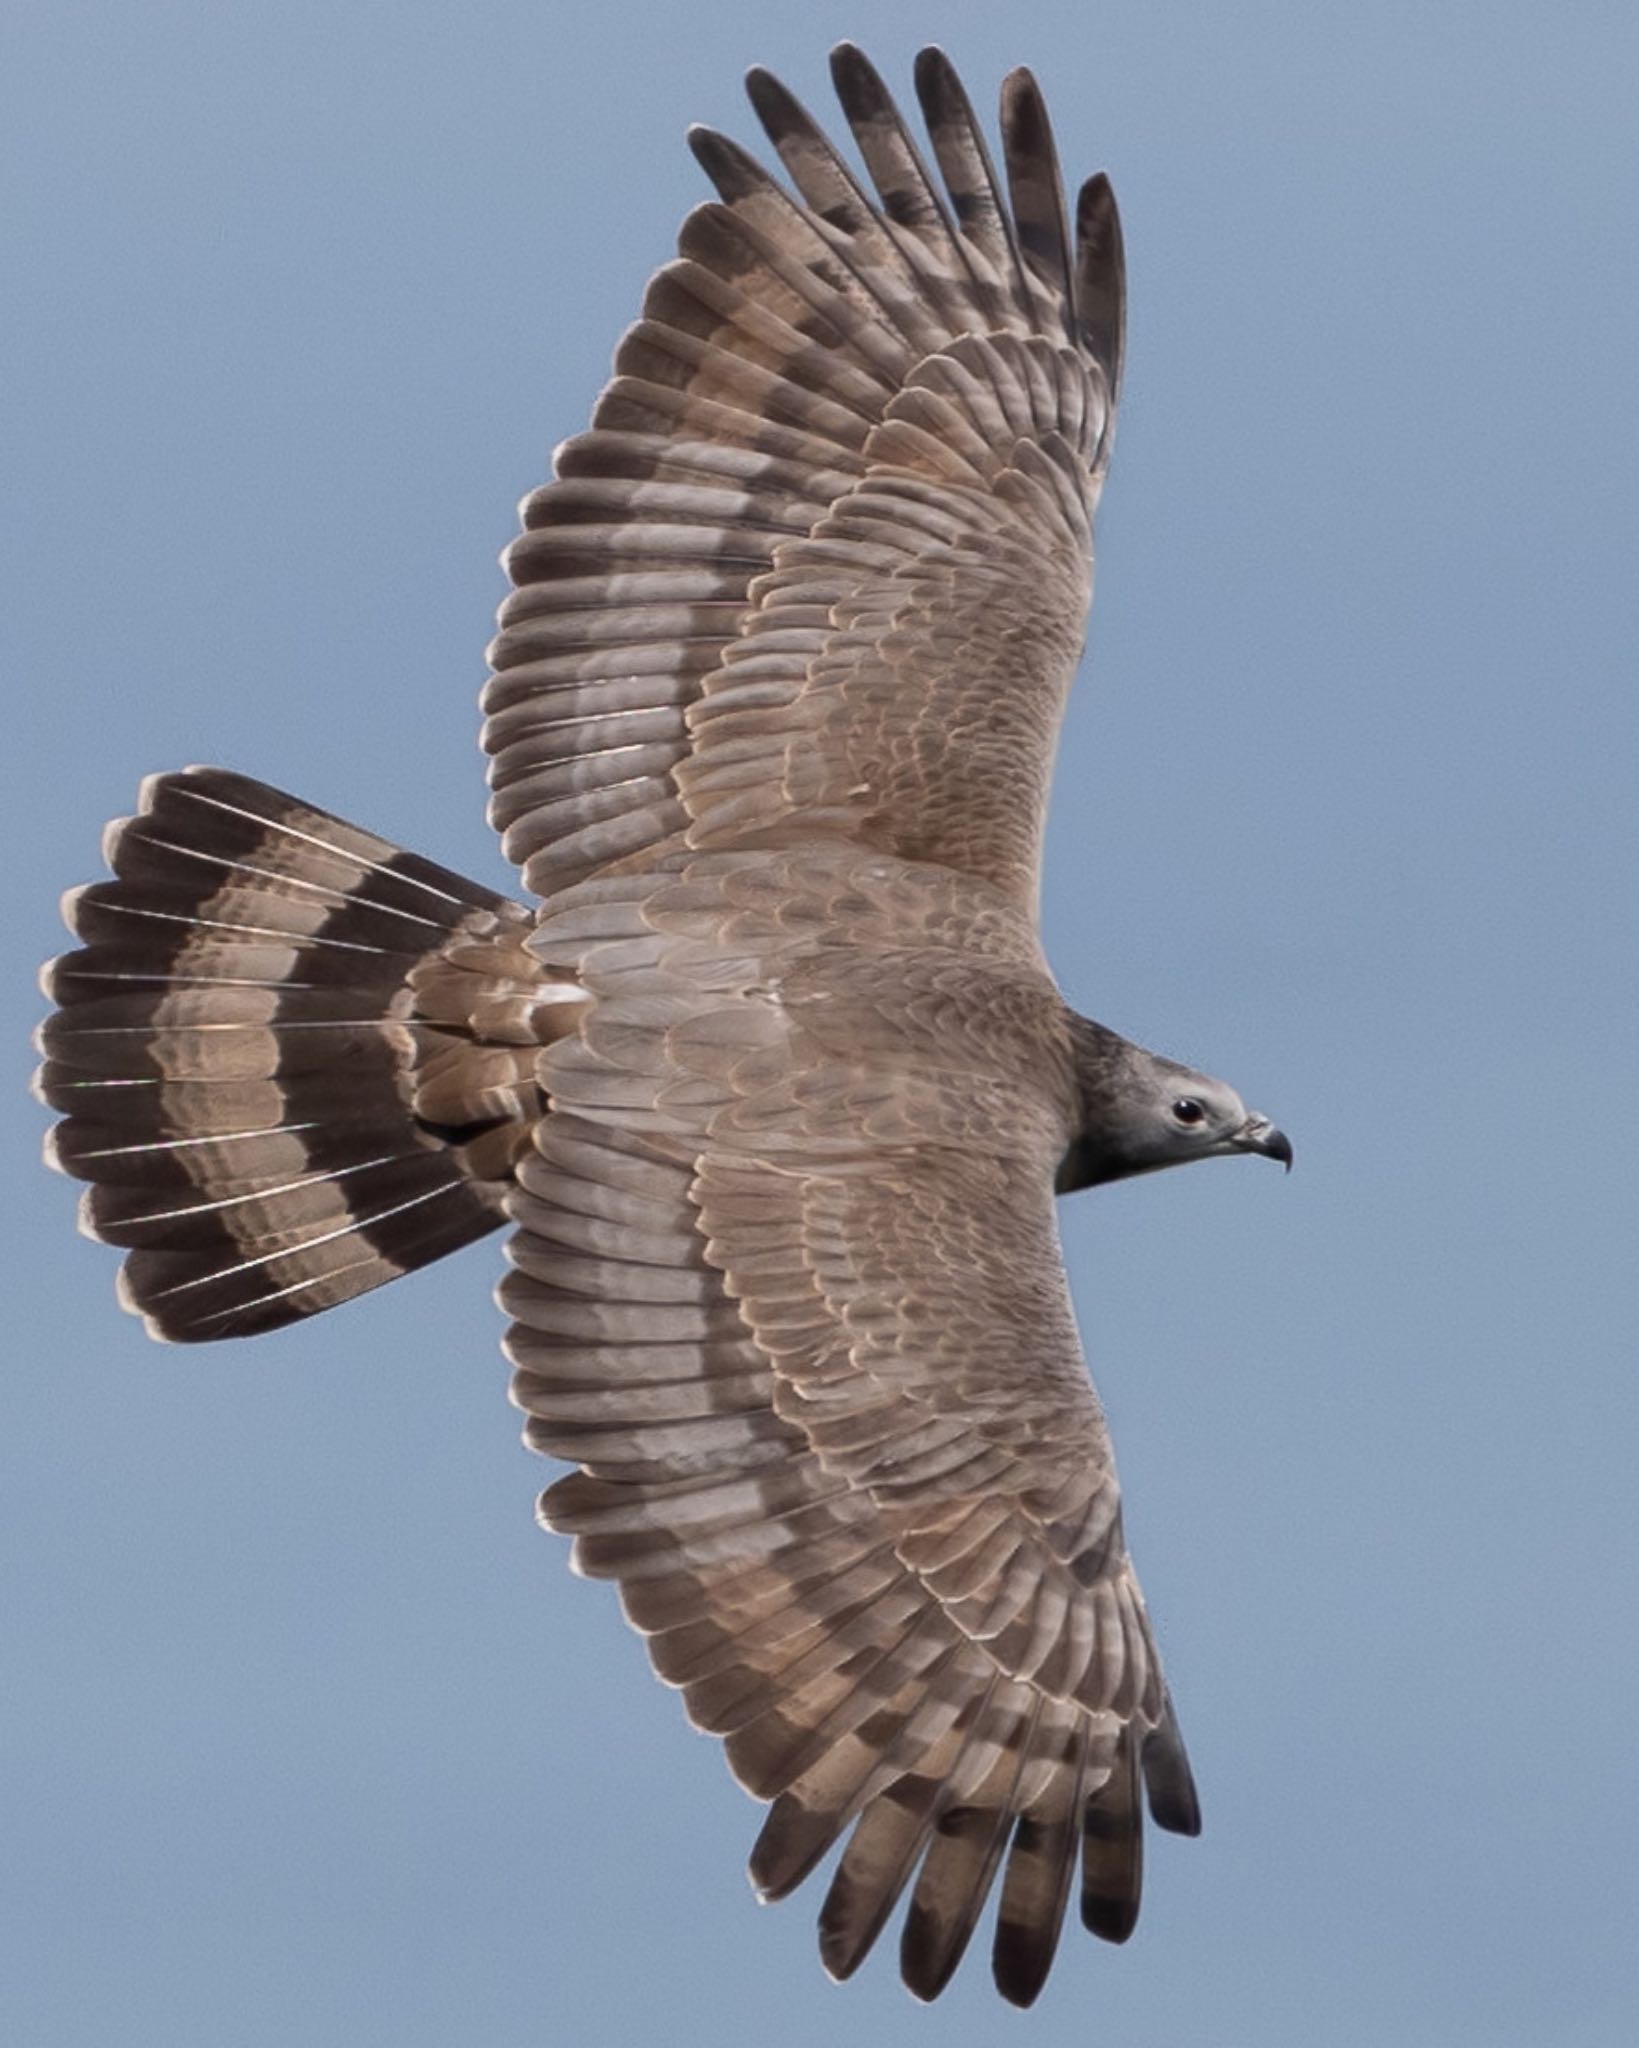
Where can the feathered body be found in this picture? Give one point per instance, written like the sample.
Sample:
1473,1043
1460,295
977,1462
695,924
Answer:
772,1082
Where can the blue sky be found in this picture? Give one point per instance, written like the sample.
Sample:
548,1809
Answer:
312,1739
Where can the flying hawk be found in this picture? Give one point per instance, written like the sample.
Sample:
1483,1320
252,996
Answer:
770,1080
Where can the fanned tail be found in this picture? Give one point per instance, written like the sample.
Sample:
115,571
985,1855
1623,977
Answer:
295,1061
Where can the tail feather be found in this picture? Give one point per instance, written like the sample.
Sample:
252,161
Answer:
294,1060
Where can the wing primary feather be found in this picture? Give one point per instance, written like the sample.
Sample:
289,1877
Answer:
1036,189
732,168
1169,1783
909,196
883,1849
1112,1848
811,160
1041,1867
950,268
964,161
1101,279
959,1869
816,1805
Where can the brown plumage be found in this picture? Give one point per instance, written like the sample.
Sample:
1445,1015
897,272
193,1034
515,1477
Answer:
773,1084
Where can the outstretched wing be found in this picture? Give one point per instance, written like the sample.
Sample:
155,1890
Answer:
822,562
787,1286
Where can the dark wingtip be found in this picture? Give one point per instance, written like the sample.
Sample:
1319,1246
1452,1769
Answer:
934,76
792,1841
1169,1784
775,105
1036,189
1101,277
1112,1849
1111,1919
927,1962
1021,1986
859,85
733,170
940,92
1170,1790
1024,111
1021,1960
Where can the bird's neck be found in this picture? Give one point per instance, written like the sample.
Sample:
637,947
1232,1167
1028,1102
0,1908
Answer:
1102,1062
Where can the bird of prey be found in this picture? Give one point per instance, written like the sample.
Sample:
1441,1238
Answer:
770,1079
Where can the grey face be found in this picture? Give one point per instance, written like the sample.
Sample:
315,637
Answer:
1166,1115
1185,1115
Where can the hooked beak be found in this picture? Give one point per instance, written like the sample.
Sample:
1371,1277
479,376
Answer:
1258,1134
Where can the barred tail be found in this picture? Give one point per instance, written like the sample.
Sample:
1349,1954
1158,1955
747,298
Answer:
295,1061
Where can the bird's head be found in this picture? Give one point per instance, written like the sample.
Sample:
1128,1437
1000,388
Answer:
1142,1112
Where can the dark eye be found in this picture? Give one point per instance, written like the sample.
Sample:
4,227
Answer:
1186,1110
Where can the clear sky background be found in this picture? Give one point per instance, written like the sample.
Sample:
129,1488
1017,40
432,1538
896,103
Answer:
312,1738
